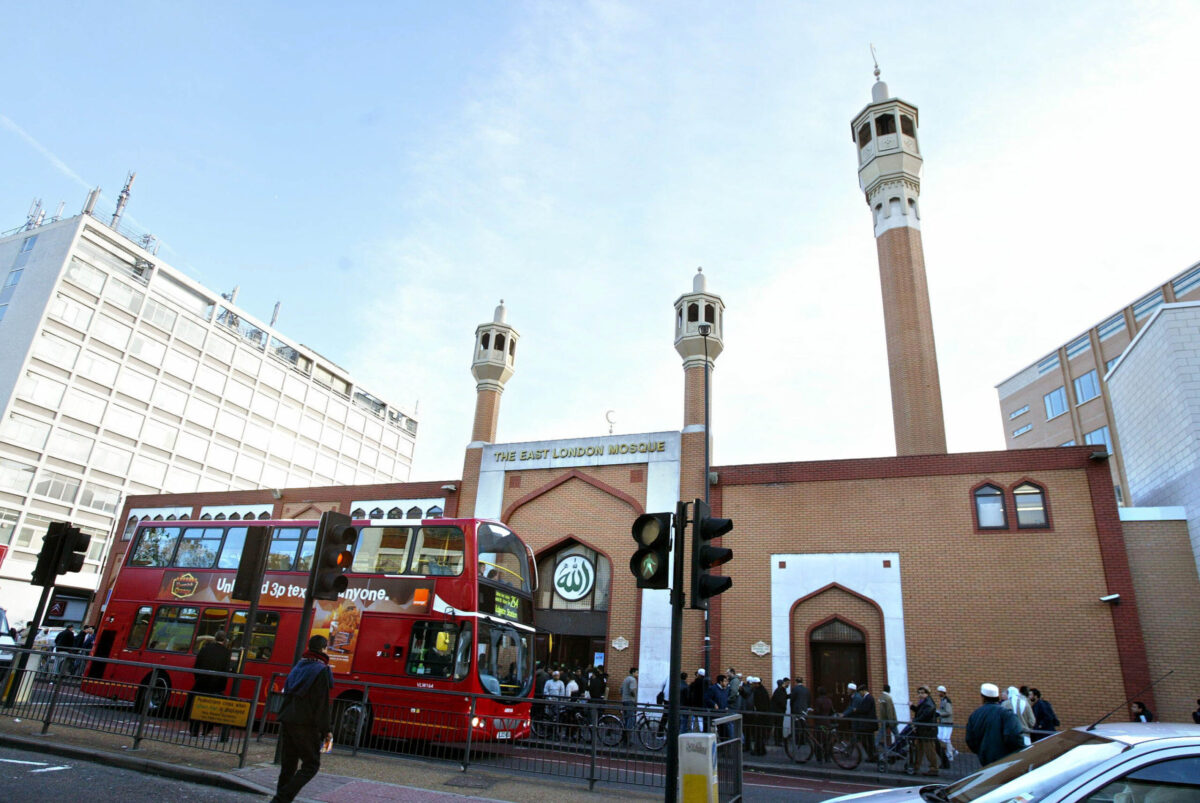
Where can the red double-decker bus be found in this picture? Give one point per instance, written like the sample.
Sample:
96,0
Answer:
439,604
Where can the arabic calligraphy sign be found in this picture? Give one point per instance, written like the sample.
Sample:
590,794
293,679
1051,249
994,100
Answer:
574,578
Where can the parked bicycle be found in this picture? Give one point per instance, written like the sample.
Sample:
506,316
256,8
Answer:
825,740
563,723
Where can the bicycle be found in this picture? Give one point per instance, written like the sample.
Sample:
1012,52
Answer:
825,739
570,723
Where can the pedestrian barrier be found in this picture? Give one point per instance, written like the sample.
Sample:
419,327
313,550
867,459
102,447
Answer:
40,690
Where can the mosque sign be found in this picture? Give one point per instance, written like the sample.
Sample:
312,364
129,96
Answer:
651,447
574,578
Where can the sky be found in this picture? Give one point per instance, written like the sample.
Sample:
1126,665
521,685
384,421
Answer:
389,171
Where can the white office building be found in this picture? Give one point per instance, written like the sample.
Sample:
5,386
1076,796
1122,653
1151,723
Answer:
120,375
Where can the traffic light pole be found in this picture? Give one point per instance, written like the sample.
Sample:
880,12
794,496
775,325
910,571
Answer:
673,701
18,667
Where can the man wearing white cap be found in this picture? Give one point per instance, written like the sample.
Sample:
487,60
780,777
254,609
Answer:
945,715
993,731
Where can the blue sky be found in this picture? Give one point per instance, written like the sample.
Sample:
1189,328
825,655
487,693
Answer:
390,171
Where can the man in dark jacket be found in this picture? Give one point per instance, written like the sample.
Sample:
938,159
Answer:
925,741
993,731
866,722
64,646
779,701
799,698
1043,714
762,714
304,720
214,657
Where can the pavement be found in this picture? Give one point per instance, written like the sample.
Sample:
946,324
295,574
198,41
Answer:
367,777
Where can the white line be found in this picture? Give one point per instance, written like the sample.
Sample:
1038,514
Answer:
51,769
14,761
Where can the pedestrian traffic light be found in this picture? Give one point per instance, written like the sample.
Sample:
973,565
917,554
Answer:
705,556
651,562
335,552
73,550
46,570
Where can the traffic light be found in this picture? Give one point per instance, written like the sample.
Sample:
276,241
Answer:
651,562
705,556
335,544
73,550
46,570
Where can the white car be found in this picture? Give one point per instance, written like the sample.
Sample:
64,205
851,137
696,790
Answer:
1155,762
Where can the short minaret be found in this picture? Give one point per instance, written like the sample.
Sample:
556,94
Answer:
495,352
889,173
694,310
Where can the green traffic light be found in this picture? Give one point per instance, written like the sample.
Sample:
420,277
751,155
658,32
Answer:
649,566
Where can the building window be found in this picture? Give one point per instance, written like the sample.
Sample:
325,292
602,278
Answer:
376,513
1110,363
1087,387
1099,437
1186,282
15,476
414,513
1048,364
864,135
907,127
1022,430
1056,402
693,313
1147,305
1019,412
1031,506
14,276
1078,346
885,124
1068,443
57,486
1110,327
989,508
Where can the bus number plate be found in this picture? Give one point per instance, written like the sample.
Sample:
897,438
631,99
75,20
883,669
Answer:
504,735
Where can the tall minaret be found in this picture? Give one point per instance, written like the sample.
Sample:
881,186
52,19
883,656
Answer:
492,365
694,310
889,173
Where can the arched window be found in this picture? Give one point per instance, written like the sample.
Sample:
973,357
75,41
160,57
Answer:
484,341
358,513
264,516
500,343
1031,506
885,124
206,517
376,513
159,517
435,512
395,513
693,313
710,315
864,135
235,516
172,517
907,127
414,512
512,349
989,508
679,319
838,631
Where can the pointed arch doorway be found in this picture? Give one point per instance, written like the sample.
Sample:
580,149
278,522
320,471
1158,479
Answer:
838,653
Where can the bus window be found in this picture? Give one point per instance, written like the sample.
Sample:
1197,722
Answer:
307,549
284,544
382,550
433,649
173,628
211,620
231,552
198,547
438,551
155,547
503,663
137,633
502,557
263,642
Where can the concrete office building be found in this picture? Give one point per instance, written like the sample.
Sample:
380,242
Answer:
1063,399
120,375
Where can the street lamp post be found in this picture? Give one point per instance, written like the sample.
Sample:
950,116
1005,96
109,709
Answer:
704,329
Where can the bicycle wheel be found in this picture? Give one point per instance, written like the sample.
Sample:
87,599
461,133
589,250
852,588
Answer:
609,730
649,736
798,750
846,754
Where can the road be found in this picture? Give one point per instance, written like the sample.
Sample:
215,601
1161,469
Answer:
38,776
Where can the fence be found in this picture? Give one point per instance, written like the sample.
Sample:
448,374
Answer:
73,692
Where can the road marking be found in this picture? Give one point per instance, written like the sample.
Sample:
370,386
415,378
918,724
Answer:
51,769
15,761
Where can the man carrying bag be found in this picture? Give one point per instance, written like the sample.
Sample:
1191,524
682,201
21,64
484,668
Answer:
304,720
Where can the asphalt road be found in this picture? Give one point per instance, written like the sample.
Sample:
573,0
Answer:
25,775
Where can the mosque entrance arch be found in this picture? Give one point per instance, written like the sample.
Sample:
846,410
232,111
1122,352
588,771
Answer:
838,653
571,606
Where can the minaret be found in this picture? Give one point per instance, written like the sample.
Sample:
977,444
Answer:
495,351
492,365
889,173
694,310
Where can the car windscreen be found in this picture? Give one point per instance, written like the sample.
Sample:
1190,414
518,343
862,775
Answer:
1036,770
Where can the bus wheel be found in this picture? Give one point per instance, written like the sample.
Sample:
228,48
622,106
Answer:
351,720
155,692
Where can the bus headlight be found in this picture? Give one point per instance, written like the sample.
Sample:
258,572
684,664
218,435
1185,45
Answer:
477,722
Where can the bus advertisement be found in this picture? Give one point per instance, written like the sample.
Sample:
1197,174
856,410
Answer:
433,605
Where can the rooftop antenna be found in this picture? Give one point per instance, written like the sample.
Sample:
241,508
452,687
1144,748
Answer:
33,219
275,314
122,199
876,60
58,215
90,204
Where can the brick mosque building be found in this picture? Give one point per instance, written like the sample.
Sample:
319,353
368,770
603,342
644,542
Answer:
926,567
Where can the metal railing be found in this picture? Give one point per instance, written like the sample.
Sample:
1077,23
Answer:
72,691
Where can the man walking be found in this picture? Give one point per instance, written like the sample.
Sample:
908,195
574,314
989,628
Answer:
213,656
64,646
993,731
629,698
304,720
779,704
887,717
925,733
799,698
